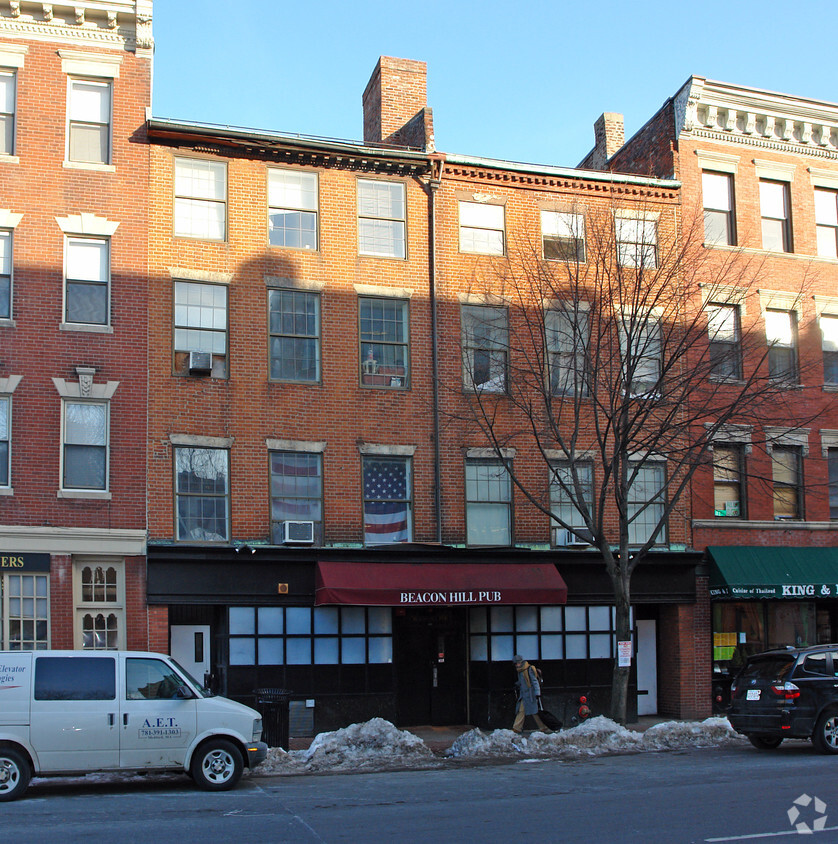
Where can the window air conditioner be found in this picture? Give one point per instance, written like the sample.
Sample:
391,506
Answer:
200,362
297,533
565,538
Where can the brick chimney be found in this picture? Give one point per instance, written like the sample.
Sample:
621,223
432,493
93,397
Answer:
609,136
395,105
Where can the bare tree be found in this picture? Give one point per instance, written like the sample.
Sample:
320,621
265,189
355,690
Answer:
614,348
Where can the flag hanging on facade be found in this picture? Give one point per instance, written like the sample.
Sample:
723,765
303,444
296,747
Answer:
386,501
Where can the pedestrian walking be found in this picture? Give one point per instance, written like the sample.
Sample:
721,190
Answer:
529,690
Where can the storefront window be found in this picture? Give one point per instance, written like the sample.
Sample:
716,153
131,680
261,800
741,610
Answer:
24,612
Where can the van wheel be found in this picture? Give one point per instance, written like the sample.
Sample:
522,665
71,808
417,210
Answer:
14,773
765,742
825,736
217,765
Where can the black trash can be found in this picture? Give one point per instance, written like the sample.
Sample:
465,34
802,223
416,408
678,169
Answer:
273,704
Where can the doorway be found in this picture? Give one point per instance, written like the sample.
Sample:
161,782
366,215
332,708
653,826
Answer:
190,648
647,668
431,659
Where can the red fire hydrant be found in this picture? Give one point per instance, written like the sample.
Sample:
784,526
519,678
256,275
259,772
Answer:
584,711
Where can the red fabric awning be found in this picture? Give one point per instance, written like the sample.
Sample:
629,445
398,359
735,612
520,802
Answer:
438,584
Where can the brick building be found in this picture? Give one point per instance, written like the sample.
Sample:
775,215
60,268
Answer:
761,168
321,516
75,83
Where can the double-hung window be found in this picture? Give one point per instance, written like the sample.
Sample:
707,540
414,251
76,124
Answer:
24,612
485,347
724,332
482,228
566,496
787,472
85,452
99,596
200,198
719,220
637,242
646,503
829,342
296,491
488,502
388,509
6,240
86,299
832,467
89,121
294,341
381,219
563,236
383,336
292,209
781,334
826,222
567,345
8,95
200,325
641,349
202,494
728,481
775,202
5,440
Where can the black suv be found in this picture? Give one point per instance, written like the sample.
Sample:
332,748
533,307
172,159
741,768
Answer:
788,693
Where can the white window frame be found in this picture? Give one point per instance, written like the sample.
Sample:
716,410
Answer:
561,502
85,606
287,192
567,350
104,446
826,221
72,121
636,236
564,231
199,311
476,502
82,240
769,215
829,345
796,485
368,458
718,203
202,444
726,338
186,222
377,216
312,452
726,477
647,342
496,349
278,334
7,269
657,503
6,437
791,346
10,116
482,228
41,607
373,372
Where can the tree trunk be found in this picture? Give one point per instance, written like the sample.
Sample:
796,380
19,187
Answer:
620,678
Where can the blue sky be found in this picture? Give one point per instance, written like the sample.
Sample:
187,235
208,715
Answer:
519,81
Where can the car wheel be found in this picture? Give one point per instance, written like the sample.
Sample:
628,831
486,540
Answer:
216,765
765,742
14,773
825,736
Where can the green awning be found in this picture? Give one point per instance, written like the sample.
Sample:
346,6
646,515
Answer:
773,572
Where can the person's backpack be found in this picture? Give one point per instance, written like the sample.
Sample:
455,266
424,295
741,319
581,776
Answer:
538,674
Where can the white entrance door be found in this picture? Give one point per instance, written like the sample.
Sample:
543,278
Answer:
190,647
647,669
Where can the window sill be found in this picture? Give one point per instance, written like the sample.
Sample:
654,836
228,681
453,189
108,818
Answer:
485,254
90,329
830,388
89,165
7,490
9,159
382,257
751,250
299,383
721,379
10,323
763,524
193,237
87,495
303,249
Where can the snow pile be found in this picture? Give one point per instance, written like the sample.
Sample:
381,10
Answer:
478,744
677,734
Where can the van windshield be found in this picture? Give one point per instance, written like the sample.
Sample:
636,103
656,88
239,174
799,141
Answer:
203,690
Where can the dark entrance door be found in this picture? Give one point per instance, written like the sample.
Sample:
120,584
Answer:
431,660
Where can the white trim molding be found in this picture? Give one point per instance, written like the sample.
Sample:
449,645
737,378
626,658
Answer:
9,220
184,274
779,435
829,439
391,450
196,441
490,453
9,384
88,224
77,63
11,55
732,434
721,162
378,290
69,540
780,171
295,445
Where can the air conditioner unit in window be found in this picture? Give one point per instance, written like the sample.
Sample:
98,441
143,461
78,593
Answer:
200,362
296,533
566,538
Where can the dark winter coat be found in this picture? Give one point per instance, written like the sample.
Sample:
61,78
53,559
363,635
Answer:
528,688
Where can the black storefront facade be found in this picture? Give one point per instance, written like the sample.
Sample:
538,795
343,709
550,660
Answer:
415,634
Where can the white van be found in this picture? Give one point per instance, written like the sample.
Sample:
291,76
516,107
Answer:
74,712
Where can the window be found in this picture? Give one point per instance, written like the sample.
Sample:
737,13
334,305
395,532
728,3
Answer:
294,325
200,325
296,491
87,280
387,500
202,490
311,636
787,472
89,120
728,482
776,220
200,198
829,331
646,503
636,242
725,341
485,347
99,595
640,341
292,209
5,440
384,342
488,503
8,95
151,679
75,678
826,222
719,221
832,464
5,274
564,496
481,228
567,349
24,612
563,236
381,219
781,334
85,459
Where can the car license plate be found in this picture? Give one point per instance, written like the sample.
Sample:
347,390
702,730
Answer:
753,694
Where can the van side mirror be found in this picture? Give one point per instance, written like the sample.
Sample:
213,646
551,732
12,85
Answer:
183,692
